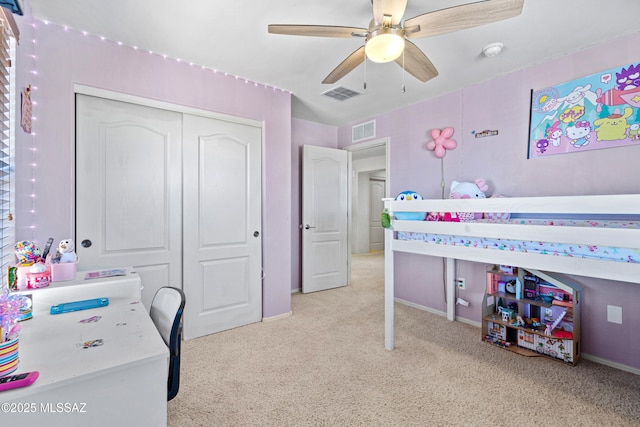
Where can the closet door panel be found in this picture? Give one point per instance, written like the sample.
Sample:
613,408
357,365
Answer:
128,190
222,224
140,193
224,164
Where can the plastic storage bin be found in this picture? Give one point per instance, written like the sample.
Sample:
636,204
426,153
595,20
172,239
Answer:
63,271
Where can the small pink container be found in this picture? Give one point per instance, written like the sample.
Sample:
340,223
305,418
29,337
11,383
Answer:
64,271
38,280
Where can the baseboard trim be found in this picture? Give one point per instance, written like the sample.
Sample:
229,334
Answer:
295,291
585,356
610,363
438,312
277,317
420,307
469,322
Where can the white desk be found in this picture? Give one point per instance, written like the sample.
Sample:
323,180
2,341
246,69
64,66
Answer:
80,289
121,382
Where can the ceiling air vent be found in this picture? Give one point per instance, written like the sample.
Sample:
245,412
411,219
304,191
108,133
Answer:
341,93
363,131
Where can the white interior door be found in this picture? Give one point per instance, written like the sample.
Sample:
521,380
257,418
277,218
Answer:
376,206
128,190
222,225
325,204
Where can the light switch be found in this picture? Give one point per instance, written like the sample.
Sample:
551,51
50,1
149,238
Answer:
614,314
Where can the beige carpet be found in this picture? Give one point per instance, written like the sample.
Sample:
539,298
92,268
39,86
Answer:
326,366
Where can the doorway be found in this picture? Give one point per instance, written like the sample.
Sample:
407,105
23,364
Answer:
326,256
370,183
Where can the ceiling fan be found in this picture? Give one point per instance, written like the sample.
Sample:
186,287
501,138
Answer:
386,37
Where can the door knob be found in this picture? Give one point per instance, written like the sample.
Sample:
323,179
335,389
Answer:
86,243
256,233
307,226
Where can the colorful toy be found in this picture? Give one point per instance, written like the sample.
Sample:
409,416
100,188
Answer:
507,314
26,252
497,215
462,190
385,219
468,190
9,316
409,216
443,216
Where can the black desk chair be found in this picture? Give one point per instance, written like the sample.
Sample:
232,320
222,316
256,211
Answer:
166,312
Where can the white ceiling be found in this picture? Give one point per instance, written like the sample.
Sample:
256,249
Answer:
231,36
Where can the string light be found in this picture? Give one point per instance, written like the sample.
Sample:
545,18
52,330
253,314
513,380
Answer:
34,150
34,88
164,56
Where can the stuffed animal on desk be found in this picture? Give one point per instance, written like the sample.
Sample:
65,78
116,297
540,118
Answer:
66,252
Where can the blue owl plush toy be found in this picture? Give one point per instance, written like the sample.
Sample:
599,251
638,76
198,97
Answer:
409,216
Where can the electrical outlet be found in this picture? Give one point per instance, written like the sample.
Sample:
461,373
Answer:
460,283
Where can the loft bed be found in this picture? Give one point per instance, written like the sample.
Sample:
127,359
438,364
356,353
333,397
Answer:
594,236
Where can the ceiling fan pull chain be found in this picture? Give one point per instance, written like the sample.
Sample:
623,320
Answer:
365,71
404,88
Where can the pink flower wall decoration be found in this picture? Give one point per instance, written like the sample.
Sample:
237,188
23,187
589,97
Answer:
441,142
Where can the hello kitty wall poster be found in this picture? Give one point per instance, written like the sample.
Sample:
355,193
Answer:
590,113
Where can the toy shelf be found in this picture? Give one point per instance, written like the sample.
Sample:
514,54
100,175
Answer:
511,297
544,323
498,321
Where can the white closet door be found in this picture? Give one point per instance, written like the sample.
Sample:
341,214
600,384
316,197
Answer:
128,190
222,224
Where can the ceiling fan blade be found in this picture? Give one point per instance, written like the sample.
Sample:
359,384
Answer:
346,66
416,63
315,30
461,17
393,8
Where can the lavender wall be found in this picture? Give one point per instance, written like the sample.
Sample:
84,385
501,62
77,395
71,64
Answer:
503,104
303,132
54,59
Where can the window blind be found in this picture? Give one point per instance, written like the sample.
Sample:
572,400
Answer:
7,118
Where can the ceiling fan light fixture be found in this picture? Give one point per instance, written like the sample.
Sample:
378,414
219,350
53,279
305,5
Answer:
385,44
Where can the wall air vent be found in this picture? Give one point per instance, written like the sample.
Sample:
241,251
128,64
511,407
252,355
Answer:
341,93
363,131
